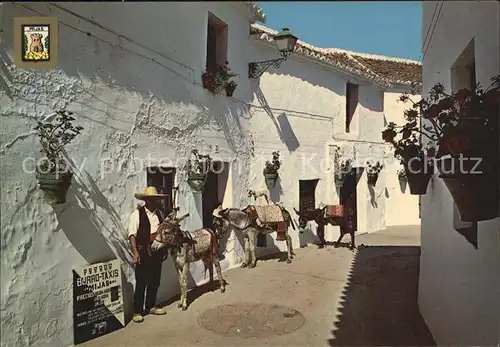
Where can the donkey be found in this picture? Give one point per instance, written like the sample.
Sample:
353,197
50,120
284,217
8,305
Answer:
246,222
318,215
187,247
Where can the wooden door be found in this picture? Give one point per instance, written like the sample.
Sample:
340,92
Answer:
348,199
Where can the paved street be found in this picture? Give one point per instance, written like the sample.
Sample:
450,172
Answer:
328,297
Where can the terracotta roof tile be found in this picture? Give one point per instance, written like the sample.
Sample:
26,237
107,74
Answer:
382,70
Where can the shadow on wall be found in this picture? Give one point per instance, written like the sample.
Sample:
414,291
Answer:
276,192
80,222
282,124
379,303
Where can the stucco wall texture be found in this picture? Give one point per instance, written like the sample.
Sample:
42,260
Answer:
150,106
458,292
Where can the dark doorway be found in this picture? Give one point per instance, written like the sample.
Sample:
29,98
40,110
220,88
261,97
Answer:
307,194
213,193
162,178
348,199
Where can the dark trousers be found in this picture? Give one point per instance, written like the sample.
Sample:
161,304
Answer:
147,280
320,231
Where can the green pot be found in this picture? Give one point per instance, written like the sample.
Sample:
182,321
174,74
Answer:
197,182
372,180
54,186
271,179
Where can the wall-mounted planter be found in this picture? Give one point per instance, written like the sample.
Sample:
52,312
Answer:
54,186
372,180
475,194
197,182
230,90
339,181
271,179
419,176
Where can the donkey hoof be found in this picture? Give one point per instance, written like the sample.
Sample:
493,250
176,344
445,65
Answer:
223,290
184,308
288,261
179,305
252,266
243,265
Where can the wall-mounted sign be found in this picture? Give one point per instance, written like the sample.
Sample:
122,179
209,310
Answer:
35,42
97,300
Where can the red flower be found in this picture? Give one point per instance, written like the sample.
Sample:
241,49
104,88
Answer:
388,135
462,95
455,143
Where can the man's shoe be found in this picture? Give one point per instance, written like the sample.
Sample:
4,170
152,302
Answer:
138,318
157,311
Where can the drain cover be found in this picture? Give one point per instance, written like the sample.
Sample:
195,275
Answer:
251,320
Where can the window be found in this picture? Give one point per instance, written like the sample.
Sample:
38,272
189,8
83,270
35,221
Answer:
162,178
351,95
216,43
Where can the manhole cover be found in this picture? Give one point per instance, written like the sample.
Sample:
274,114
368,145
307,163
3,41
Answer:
251,320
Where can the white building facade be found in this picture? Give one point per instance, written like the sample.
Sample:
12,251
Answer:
139,96
459,294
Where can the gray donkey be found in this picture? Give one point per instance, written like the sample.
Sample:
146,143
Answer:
186,247
246,222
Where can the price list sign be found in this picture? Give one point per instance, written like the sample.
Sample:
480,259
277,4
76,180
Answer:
97,300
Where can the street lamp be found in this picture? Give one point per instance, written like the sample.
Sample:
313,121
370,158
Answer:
285,41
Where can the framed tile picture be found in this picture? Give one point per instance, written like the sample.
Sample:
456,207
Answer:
35,42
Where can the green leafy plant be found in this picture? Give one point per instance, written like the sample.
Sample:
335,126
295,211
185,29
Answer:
53,138
272,167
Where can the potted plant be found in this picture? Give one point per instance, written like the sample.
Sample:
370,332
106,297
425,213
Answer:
341,171
416,161
208,80
53,172
402,176
372,172
464,127
230,87
271,169
197,170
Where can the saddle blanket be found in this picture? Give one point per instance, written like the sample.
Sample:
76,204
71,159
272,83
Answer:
269,213
334,211
201,240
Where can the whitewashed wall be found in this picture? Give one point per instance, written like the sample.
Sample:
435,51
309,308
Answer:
130,107
401,206
459,293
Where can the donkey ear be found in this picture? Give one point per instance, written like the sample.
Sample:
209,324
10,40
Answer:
297,212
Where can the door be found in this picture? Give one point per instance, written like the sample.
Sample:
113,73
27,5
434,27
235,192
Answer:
348,199
210,197
307,194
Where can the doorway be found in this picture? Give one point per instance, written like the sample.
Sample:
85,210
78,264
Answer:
348,199
213,193
307,194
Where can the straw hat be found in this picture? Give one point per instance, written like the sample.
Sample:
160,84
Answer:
150,193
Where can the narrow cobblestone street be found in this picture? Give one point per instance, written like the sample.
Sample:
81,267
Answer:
326,297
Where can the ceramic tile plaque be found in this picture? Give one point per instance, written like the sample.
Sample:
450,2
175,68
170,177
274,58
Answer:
35,42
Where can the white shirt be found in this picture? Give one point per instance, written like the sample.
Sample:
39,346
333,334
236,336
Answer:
133,225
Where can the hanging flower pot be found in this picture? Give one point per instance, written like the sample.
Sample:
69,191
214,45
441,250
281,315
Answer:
53,172
473,189
208,81
197,182
372,179
54,186
418,172
230,88
339,181
197,170
271,170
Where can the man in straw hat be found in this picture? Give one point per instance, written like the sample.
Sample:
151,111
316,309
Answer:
143,223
